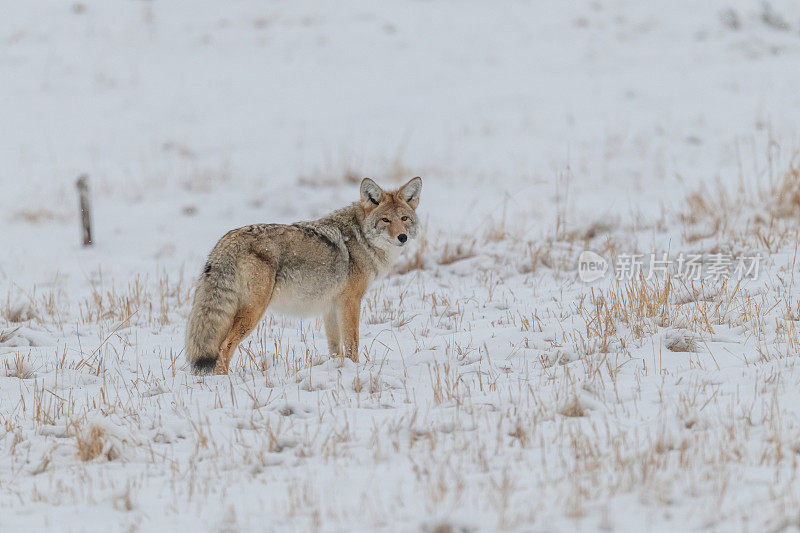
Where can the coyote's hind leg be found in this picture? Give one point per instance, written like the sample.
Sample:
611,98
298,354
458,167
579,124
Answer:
246,318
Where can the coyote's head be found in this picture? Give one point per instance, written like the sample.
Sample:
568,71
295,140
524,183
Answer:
390,215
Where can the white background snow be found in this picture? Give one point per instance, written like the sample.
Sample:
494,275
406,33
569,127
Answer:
494,390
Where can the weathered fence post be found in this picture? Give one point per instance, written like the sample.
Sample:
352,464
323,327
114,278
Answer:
86,216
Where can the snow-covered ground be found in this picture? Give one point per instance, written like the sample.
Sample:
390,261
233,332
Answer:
496,389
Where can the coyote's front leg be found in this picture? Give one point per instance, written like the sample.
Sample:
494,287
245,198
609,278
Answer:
334,333
349,311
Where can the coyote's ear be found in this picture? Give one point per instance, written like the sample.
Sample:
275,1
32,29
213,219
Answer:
371,194
410,192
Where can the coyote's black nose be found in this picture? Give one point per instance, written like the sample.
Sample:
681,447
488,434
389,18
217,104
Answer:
402,237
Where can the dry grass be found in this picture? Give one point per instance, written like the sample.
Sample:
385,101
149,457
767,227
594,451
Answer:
20,366
784,196
39,215
18,311
452,253
350,169
764,217
92,441
137,303
5,335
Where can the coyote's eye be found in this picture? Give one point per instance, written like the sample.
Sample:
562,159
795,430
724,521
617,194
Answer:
385,220
403,218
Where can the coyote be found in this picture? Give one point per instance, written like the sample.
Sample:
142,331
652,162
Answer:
322,267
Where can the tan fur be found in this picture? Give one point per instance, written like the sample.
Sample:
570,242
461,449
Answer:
322,267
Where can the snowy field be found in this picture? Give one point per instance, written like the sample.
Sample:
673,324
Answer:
497,389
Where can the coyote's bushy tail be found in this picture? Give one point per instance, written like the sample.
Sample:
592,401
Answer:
215,304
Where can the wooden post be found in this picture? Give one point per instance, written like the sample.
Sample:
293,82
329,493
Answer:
86,215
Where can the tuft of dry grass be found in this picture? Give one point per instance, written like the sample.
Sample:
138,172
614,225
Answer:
38,215
784,196
19,311
452,253
573,409
19,367
681,341
92,441
5,335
